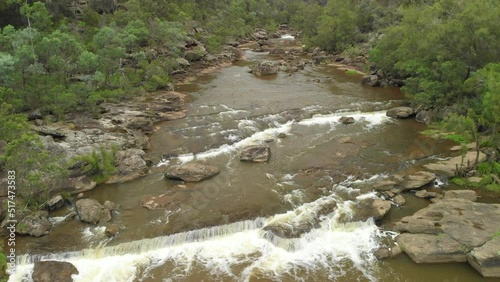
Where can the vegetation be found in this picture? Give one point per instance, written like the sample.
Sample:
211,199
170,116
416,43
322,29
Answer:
100,165
60,61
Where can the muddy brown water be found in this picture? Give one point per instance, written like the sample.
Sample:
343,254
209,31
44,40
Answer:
215,234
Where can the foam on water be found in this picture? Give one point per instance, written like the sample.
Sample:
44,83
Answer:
239,250
288,37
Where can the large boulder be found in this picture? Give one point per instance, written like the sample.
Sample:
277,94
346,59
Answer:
131,165
347,120
55,203
486,259
191,172
417,180
469,195
425,117
400,112
256,153
449,167
427,248
266,68
92,211
36,224
371,80
51,271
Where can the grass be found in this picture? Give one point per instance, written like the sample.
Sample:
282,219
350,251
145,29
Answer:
351,72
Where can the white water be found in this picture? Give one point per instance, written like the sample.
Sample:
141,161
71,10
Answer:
218,250
250,127
288,36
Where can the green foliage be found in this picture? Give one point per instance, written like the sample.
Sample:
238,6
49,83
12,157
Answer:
460,181
99,165
494,187
3,266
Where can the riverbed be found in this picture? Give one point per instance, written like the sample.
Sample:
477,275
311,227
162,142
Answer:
215,233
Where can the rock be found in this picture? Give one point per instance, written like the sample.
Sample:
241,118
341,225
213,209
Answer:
55,203
380,208
169,200
191,172
425,194
448,167
131,165
36,224
277,51
399,200
50,271
112,230
470,146
304,219
111,206
92,211
347,120
80,195
386,252
371,80
469,223
282,135
182,62
400,112
428,248
51,131
265,68
195,53
474,179
468,195
256,153
425,117
417,180
260,35
486,259
36,114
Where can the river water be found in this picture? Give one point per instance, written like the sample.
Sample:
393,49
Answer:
214,233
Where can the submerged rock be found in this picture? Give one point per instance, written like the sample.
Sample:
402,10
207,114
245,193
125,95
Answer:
92,211
347,120
400,112
256,153
51,271
371,80
191,172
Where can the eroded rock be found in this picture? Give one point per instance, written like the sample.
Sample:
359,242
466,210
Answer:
91,211
36,224
486,259
266,68
191,172
428,248
51,271
256,153
400,112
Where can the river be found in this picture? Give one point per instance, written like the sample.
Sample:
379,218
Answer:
215,233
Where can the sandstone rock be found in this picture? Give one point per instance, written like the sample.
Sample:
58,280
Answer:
486,259
266,68
425,194
191,172
55,203
469,195
427,248
256,153
282,135
51,271
417,180
400,112
386,252
474,179
380,208
371,80
111,206
469,223
399,200
347,120
92,211
425,117
112,230
448,167
36,224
